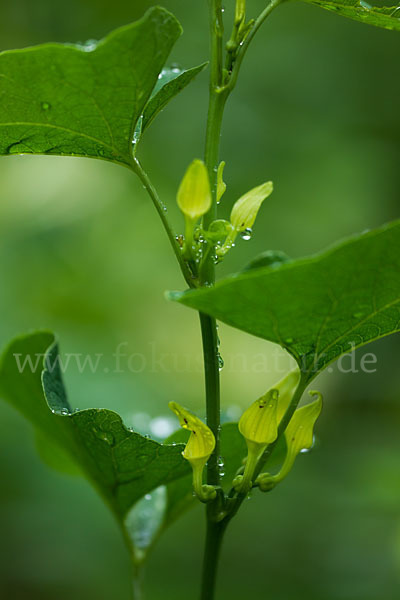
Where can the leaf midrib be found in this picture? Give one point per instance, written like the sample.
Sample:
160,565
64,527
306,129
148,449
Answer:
354,327
61,128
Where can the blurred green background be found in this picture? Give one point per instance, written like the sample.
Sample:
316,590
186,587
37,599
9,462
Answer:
82,253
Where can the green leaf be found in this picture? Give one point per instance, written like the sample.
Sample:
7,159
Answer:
144,522
83,100
170,82
123,465
319,307
387,17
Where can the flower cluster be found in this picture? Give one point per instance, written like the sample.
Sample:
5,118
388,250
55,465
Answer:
260,426
194,199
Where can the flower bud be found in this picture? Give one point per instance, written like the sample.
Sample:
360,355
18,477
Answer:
244,211
221,185
194,193
198,449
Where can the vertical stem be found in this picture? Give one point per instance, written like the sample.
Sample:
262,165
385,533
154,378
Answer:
212,385
137,592
217,99
214,536
216,106
214,124
207,276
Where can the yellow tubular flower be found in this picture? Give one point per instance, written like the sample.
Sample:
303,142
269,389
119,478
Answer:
244,211
194,193
259,426
299,436
198,449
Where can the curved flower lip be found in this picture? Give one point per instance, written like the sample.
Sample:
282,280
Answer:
299,433
299,436
201,442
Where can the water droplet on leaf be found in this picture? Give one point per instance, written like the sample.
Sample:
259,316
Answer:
89,45
104,436
364,6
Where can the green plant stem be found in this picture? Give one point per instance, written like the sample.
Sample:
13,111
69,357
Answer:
137,575
207,277
212,388
214,537
162,212
217,100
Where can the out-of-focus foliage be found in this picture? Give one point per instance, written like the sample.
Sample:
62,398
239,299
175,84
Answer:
82,253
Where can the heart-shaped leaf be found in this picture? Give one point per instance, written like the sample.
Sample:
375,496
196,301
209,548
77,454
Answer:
83,100
317,308
122,465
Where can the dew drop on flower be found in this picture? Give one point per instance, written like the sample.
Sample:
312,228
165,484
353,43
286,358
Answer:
246,234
